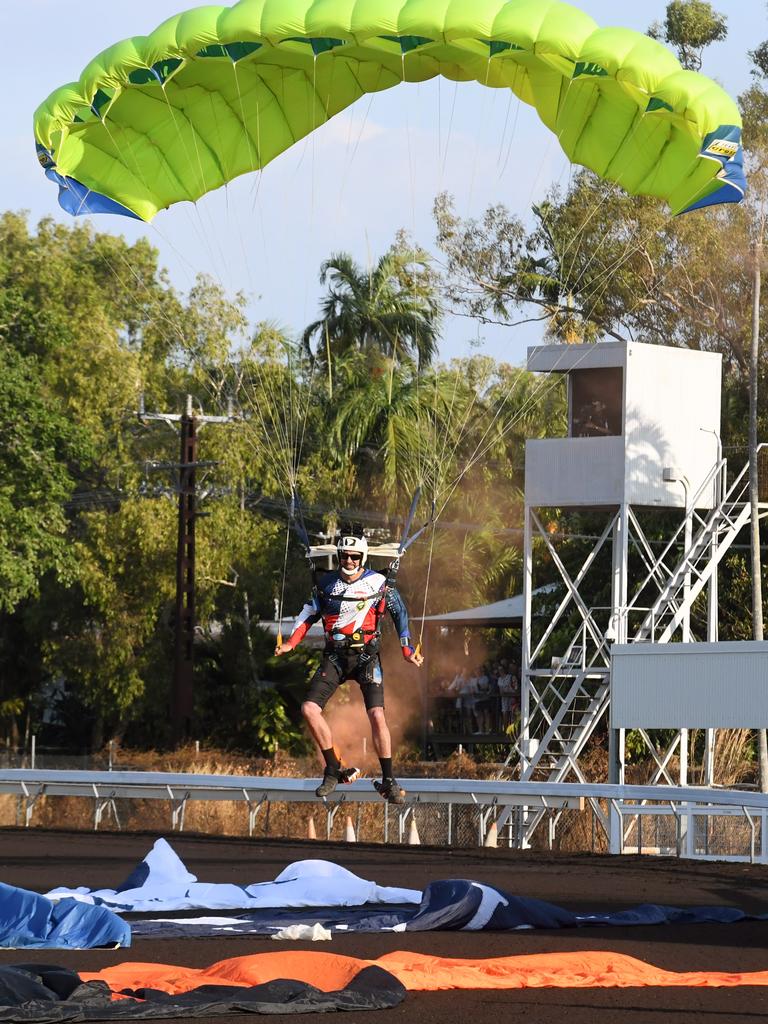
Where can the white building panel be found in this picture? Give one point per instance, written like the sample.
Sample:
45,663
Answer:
574,471
689,686
662,409
562,358
672,419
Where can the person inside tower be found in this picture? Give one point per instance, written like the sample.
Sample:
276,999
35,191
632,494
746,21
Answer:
351,603
592,420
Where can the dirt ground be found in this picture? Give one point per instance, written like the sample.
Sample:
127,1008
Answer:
39,860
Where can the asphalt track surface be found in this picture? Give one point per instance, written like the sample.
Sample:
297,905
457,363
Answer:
39,860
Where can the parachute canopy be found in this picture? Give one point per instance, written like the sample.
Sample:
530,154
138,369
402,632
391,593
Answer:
220,91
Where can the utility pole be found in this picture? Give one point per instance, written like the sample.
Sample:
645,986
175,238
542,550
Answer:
182,688
754,493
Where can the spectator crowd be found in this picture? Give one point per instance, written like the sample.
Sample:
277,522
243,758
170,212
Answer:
477,701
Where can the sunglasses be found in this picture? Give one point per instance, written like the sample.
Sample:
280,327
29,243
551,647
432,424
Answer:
349,555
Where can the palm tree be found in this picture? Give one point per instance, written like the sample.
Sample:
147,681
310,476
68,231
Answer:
392,309
397,426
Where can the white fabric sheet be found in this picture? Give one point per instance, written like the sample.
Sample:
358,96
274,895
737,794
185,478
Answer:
164,884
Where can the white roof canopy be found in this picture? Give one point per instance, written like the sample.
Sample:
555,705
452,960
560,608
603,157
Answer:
508,612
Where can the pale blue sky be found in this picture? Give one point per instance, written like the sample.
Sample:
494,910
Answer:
329,194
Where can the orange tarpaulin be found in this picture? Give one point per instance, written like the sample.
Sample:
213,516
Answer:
421,972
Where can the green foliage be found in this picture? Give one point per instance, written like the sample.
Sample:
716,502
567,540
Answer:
690,26
42,451
392,309
270,725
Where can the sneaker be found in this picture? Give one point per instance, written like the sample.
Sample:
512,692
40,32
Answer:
391,790
332,777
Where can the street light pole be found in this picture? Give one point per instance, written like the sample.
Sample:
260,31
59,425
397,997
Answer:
754,493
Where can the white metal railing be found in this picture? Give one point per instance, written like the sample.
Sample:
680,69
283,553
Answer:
689,805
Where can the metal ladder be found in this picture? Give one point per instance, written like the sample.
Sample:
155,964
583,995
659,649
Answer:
709,545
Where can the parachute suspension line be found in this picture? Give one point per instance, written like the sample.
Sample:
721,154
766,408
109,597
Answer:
435,480
281,602
392,371
196,220
411,170
253,159
503,139
126,151
202,179
489,102
420,642
545,386
350,157
304,416
328,360
474,457
544,158
450,129
512,137
637,123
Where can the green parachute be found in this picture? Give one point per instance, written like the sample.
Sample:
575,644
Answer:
220,91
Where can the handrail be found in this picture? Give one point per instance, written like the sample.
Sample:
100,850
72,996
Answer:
158,785
719,467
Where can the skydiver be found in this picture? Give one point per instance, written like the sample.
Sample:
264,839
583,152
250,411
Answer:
351,602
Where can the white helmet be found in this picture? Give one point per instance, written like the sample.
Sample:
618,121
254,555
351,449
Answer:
357,545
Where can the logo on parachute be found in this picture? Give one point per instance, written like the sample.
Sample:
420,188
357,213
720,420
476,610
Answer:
45,159
583,67
722,147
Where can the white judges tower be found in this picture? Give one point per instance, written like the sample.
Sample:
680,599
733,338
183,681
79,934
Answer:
642,460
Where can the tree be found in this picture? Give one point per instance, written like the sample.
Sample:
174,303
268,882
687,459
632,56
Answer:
392,308
690,26
600,263
41,447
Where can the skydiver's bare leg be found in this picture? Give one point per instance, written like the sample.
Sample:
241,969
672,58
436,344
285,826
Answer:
321,732
382,741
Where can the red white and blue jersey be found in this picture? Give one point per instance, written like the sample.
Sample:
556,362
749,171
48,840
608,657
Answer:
351,611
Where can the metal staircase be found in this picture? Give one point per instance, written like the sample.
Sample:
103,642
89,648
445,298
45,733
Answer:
567,709
568,702
710,542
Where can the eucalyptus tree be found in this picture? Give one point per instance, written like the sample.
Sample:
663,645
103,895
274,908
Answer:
690,26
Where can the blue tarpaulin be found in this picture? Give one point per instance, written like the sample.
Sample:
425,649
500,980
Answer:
30,921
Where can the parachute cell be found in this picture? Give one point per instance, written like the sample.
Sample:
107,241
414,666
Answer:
221,91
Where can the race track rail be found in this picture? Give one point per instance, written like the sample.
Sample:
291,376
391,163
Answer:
495,799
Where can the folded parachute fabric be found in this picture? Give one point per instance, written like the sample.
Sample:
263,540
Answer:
30,921
33,993
309,982
311,892
421,972
450,905
162,883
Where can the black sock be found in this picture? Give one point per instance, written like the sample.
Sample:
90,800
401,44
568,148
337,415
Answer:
331,758
386,767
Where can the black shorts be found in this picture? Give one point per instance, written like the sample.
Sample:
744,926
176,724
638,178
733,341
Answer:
339,666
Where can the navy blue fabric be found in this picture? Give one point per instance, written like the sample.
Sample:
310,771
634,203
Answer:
136,879
80,201
451,905
654,913
30,921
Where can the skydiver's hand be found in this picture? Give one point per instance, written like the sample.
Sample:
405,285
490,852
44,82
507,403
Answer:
416,659
283,649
